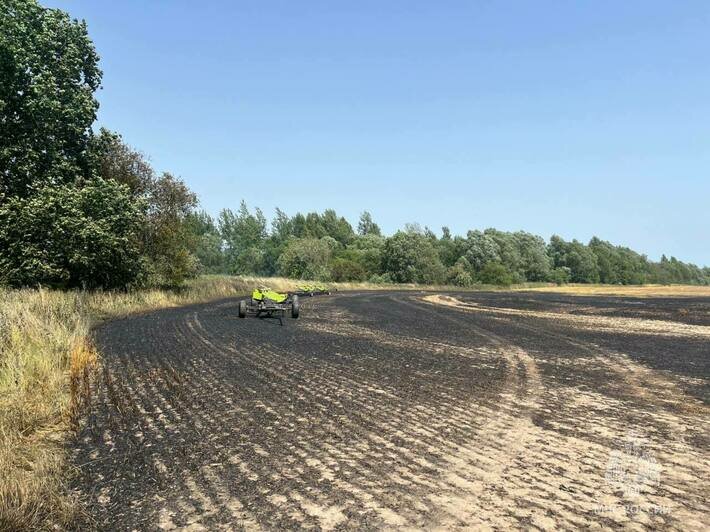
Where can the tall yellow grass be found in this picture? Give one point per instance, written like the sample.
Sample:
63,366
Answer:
39,330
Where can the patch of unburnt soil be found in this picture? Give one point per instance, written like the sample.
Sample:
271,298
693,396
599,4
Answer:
691,310
403,410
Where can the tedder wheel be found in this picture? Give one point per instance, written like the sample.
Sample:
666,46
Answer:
295,307
242,309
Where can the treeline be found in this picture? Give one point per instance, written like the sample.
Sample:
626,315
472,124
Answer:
80,208
327,247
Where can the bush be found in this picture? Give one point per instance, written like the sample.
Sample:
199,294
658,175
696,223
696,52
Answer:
347,270
460,273
560,276
384,278
497,274
306,258
410,257
72,237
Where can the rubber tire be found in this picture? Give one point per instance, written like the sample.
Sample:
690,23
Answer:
295,308
242,309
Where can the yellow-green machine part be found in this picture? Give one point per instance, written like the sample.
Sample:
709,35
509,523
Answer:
260,295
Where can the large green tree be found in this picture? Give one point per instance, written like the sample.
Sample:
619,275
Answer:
481,249
66,237
315,225
451,248
168,238
534,264
306,258
410,257
48,75
366,226
575,258
617,264
111,158
244,235
207,242
367,251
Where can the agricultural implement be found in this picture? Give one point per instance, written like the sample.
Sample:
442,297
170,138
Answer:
265,303
312,290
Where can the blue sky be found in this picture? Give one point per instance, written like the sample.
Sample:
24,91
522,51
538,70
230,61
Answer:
575,118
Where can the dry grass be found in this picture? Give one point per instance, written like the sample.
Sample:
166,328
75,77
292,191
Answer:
39,332
649,290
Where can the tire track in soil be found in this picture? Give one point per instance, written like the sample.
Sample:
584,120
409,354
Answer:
681,495
411,437
205,422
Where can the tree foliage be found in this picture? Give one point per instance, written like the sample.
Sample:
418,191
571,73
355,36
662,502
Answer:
207,242
418,255
168,239
577,261
97,215
460,273
49,72
410,257
496,273
111,158
79,208
618,265
306,258
481,249
244,234
68,237
343,270
366,226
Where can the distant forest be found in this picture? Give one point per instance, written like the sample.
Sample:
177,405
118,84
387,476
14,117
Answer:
81,208
327,247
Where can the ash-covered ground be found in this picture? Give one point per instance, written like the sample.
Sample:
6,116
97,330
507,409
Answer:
404,410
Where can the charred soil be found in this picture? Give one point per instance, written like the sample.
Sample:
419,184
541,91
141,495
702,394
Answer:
389,410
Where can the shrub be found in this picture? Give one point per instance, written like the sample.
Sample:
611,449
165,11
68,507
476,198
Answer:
384,278
306,258
347,270
497,274
560,276
410,257
71,237
460,273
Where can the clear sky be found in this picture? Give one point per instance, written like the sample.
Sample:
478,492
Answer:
575,118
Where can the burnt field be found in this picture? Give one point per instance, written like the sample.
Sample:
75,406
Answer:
404,410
